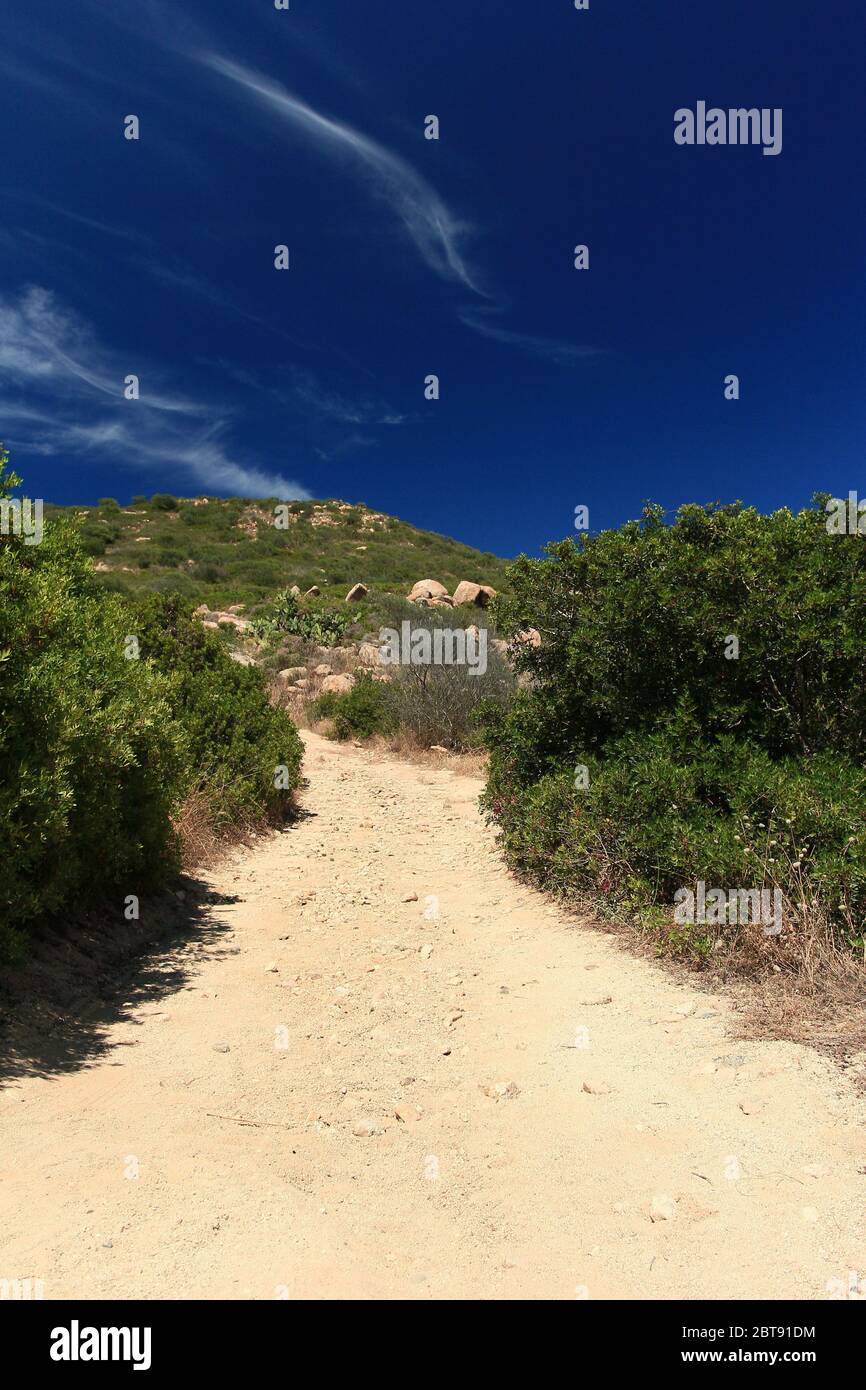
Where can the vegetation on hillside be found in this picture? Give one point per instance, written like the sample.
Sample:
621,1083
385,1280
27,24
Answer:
220,551
651,751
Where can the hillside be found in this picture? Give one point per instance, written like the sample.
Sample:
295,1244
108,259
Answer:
227,550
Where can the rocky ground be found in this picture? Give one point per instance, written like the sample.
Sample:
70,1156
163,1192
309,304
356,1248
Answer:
379,1068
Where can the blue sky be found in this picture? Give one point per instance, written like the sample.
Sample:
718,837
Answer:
409,256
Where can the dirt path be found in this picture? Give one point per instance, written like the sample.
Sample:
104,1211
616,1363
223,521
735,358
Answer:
338,998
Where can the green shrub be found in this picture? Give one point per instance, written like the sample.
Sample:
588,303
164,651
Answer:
92,542
741,771
361,712
100,748
234,739
164,502
211,574
90,754
316,622
445,704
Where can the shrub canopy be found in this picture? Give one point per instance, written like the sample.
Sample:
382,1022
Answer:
99,747
709,675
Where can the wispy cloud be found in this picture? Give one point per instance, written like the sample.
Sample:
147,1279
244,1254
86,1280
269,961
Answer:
312,398
40,341
32,200
557,350
70,399
431,226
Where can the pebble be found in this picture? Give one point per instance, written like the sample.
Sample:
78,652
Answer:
501,1090
409,1114
365,1129
663,1208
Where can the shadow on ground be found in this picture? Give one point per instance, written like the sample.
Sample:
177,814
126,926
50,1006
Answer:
56,1010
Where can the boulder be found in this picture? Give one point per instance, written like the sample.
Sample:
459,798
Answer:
441,601
291,673
231,618
368,654
295,591
338,685
313,591
479,594
236,607
530,638
356,593
426,588
323,670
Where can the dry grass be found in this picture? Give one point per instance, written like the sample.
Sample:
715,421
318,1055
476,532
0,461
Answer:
406,746
829,1014
804,985
202,841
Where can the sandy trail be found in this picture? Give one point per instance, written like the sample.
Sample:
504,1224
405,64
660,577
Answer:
133,1176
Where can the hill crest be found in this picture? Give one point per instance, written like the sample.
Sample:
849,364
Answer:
228,550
